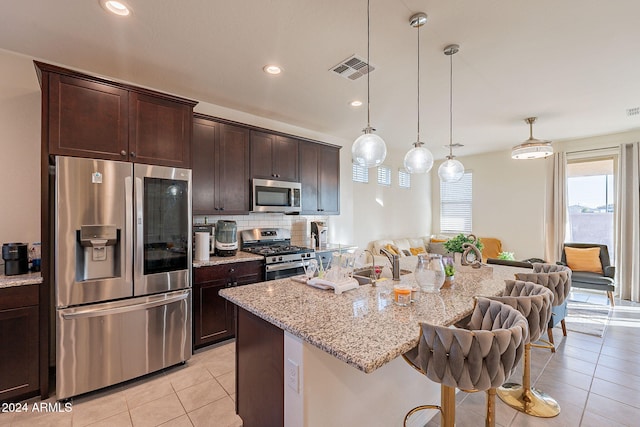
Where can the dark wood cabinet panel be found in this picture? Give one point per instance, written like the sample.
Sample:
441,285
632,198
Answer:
203,179
320,179
87,116
259,371
87,119
221,183
159,131
19,343
214,316
232,164
274,157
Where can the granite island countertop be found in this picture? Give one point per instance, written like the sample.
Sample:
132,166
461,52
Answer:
240,256
363,327
20,280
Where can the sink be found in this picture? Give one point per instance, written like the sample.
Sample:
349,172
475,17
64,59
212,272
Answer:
363,280
367,271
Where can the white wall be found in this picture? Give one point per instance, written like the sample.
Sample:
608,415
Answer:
19,150
390,212
508,201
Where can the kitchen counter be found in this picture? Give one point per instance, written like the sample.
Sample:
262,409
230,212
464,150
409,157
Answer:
238,257
309,341
20,280
363,327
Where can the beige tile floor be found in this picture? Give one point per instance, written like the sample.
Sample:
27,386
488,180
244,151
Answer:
199,393
595,380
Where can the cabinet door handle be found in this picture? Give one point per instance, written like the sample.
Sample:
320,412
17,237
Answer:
123,153
232,270
133,154
221,209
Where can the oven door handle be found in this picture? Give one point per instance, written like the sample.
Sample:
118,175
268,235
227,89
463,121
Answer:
285,266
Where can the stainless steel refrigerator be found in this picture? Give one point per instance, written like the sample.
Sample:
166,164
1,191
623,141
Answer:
122,271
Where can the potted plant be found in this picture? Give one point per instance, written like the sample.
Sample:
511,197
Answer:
449,271
454,244
509,256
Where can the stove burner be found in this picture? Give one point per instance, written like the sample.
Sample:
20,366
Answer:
278,249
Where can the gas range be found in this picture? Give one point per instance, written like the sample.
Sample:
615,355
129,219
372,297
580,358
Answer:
282,259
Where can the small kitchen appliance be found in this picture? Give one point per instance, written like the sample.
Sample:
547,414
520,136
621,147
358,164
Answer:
226,238
282,259
206,228
16,258
320,232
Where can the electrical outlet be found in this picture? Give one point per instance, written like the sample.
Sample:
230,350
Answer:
292,372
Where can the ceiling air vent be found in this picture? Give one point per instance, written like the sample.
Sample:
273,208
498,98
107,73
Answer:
352,68
633,111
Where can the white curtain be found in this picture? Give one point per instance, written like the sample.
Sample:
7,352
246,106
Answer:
628,223
556,207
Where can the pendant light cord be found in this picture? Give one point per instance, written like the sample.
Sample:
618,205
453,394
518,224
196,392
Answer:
368,65
418,83
451,105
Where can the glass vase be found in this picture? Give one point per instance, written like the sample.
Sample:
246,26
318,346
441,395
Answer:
429,273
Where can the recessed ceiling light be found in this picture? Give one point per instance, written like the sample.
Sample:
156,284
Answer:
356,103
115,7
272,69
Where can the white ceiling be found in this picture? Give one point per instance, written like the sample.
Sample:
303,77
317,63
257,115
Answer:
572,63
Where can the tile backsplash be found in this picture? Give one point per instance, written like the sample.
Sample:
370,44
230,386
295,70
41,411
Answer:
300,225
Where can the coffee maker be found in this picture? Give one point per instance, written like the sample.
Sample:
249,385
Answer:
16,258
226,238
320,232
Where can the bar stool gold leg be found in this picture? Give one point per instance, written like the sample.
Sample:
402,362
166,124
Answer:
490,418
448,414
526,399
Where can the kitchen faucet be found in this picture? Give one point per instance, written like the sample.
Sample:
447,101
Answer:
395,263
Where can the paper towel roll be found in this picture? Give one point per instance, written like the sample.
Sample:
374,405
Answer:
202,246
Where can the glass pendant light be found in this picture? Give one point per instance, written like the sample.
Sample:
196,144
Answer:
532,148
419,159
368,150
451,170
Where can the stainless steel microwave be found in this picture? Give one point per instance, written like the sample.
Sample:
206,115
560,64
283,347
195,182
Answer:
276,196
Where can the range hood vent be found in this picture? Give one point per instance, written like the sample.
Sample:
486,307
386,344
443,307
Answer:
352,68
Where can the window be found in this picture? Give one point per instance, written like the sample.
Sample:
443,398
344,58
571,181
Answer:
591,201
404,179
359,173
455,205
384,175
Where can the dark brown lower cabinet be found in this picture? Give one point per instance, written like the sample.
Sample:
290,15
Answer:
214,316
259,371
19,337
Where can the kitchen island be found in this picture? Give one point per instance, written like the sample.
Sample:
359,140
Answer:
334,359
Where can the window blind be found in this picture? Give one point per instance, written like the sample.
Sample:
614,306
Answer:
455,205
384,175
404,179
359,173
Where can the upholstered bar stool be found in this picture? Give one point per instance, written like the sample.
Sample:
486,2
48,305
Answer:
534,302
479,358
558,279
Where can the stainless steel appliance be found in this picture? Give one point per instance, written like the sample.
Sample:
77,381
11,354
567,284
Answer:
122,252
281,258
16,258
320,232
226,238
276,196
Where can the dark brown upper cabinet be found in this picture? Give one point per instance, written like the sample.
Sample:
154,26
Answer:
274,157
220,168
86,116
320,179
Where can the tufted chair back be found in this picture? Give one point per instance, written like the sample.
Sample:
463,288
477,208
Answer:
533,301
480,357
558,282
539,267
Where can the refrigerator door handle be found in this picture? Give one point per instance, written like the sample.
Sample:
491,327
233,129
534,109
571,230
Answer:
126,308
128,228
138,226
